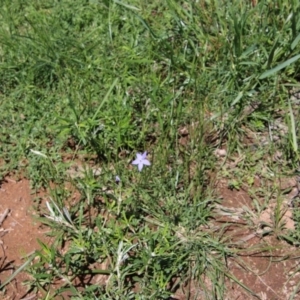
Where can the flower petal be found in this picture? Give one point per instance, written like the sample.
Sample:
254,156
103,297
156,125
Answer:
146,162
139,156
140,166
136,162
144,155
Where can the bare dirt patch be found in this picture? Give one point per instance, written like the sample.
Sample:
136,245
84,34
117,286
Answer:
269,274
265,264
19,234
262,266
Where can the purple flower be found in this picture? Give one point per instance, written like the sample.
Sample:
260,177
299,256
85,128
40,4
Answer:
141,160
118,180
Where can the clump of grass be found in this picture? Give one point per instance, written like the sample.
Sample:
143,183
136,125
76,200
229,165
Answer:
109,79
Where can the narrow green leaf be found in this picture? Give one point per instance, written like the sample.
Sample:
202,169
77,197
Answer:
126,5
232,277
295,42
12,276
105,98
272,52
237,99
293,129
279,67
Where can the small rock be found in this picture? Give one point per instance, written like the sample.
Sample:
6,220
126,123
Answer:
220,152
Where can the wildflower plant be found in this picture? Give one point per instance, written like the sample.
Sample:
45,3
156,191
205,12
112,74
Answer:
141,160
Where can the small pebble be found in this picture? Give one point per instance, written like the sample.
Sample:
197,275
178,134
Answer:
220,152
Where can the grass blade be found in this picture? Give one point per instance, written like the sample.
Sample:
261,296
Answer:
293,128
105,98
295,42
279,67
12,276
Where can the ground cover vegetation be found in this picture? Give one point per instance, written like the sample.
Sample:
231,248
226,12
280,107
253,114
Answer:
86,85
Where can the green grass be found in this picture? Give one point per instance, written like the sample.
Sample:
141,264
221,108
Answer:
106,79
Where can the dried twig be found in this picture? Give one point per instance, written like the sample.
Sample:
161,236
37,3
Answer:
4,215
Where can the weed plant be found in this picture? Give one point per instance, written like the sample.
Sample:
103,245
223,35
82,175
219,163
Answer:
95,82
